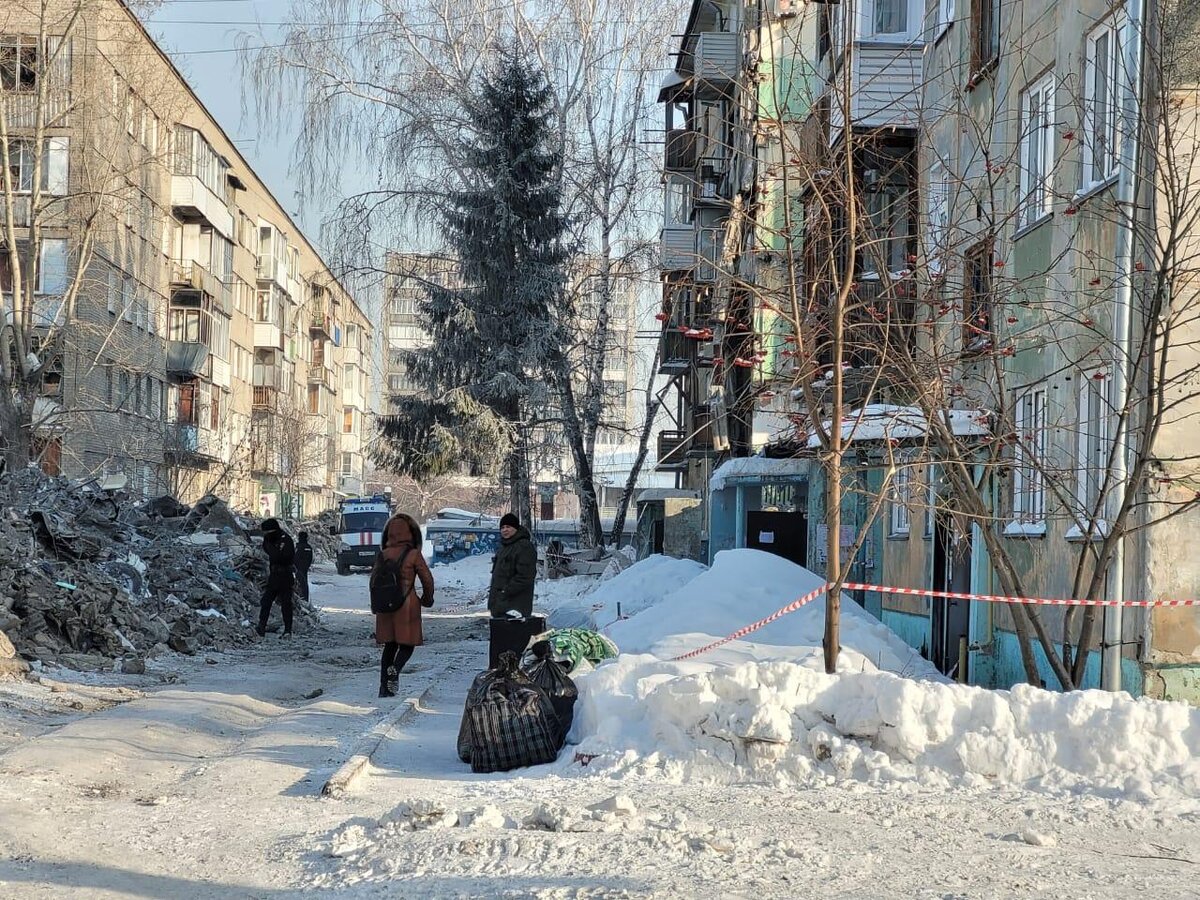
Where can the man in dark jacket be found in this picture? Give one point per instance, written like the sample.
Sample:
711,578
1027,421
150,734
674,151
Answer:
281,554
304,560
513,571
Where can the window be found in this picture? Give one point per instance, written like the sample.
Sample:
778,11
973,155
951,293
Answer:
977,297
931,498
21,163
1037,151
1103,91
985,34
188,410
939,217
347,464
891,17
113,292
214,408
888,208
19,62
1095,441
901,516
314,399
1029,486
53,276
122,388
348,421
108,386
944,12
678,202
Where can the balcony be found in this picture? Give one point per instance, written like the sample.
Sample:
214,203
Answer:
193,442
678,249
266,397
885,88
320,323
186,358
718,62
672,451
268,335
677,352
192,199
318,374
189,277
681,150
713,188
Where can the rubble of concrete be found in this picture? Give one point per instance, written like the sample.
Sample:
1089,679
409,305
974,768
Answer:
97,580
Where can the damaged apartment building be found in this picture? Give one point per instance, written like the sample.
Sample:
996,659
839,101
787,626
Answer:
180,329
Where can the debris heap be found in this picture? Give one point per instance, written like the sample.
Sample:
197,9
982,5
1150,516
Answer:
90,579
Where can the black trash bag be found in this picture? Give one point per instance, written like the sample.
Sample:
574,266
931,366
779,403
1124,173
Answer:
508,721
551,676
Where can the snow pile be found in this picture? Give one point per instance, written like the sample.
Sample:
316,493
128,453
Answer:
793,724
744,586
471,575
628,593
764,706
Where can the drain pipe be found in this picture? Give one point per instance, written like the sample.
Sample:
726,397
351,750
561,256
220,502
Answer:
1127,200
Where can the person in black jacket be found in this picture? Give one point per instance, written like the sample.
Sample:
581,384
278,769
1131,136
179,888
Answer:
513,571
304,560
281,554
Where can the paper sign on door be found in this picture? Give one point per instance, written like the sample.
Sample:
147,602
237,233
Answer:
766,537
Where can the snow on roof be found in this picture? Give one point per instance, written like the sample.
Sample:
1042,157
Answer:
652,494
880,422
756,466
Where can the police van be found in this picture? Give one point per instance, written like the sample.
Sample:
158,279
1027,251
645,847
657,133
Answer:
360,527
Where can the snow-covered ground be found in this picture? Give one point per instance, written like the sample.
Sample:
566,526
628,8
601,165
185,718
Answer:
744,772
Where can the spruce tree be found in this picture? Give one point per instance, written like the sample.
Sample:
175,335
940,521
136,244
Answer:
498,334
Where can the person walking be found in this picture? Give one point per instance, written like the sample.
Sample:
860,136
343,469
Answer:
281,557
304,561
514,571
399,631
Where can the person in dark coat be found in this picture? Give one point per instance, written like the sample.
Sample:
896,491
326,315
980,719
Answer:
304,561
400,632
281,555
514,571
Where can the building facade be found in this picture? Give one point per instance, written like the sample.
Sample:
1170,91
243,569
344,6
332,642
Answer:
195,341
994,200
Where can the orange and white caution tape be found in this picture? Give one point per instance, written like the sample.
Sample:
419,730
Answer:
923,592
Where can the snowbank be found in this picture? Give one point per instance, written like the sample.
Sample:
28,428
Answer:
632,591
763,707
470,575
791,723
744,586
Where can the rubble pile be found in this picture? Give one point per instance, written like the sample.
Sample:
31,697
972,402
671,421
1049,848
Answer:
89,577
322,536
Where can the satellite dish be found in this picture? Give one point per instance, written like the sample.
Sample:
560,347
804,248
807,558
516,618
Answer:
114,482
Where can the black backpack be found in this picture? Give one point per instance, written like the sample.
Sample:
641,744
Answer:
388,590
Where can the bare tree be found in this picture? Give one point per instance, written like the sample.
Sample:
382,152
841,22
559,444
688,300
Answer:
393,90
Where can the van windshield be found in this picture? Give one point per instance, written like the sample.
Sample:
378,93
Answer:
362,521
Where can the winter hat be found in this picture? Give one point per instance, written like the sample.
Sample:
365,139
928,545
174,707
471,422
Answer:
303,536
510,519
271,525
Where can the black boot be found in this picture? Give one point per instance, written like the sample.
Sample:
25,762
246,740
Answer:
393,680
385,689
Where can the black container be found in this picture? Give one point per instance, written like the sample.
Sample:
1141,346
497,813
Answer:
512,634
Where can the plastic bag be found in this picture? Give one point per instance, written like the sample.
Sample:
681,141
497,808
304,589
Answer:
551,676
508,721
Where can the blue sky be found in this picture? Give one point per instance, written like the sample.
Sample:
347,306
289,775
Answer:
201,38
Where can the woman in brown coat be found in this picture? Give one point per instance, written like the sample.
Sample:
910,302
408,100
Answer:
400,631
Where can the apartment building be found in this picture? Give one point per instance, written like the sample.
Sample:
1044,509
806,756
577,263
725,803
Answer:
409,278
708,347
193,339
1006,271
